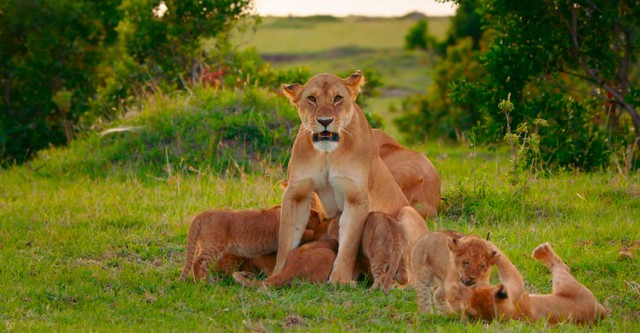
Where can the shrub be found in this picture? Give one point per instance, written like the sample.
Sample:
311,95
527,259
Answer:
229,130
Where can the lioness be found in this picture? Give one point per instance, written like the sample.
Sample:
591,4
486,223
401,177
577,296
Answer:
455,264
415,174
335,156
568,301
384,245
247,233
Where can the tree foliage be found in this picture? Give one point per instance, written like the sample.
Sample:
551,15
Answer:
434,114
572,63
49,51
60,59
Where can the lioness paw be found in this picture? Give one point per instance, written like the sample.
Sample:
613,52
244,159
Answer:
341,279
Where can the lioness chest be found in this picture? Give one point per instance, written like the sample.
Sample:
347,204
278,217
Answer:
335,181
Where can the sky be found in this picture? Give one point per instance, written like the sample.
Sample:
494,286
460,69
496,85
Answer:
352,7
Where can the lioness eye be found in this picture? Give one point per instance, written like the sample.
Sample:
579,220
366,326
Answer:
337,99
311,99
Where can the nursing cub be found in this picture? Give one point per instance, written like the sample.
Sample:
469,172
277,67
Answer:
245,234
568,301
311,262
384,246
454,264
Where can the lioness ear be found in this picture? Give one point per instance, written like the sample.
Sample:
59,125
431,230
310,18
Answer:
501,293
292,91
354,82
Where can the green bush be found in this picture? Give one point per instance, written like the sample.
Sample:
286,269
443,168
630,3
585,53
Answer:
234,131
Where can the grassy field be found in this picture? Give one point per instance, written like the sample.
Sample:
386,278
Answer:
102,250
104,253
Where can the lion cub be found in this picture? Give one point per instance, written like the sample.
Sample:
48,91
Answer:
455,264
569,300
247,234
230,263
310,262
384,245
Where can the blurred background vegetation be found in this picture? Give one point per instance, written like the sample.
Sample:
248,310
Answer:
191,85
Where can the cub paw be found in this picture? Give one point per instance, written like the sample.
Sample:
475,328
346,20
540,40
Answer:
542,251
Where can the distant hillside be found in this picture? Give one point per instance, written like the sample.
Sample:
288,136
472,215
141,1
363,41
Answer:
305,35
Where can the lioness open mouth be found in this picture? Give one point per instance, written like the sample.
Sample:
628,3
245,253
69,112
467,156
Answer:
326,136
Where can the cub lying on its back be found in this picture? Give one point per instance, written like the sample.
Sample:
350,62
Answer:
384,244
569,300
247,233
455,264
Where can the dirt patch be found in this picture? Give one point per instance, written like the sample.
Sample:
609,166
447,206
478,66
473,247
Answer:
293,321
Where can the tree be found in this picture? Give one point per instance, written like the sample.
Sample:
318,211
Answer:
418,37
434,113
60,59
48,49
569,62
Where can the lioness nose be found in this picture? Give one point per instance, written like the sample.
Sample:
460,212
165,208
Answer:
324,121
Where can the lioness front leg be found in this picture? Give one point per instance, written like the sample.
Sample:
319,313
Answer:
293,220
351,225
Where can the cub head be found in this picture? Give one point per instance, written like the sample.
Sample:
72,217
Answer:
489,303
327,229
473,258
326,106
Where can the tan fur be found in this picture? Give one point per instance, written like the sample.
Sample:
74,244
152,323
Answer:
347,174
245,234
230,263
415,174
454,264
311,262
384,245
569,300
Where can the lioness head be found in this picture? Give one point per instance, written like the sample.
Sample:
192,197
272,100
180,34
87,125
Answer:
490,302
325,105
473,257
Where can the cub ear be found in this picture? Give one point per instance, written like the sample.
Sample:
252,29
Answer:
502,292
292,91
354,82
284,183
314,219
453,244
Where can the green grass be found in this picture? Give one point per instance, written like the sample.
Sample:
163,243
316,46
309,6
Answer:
282,35
103,253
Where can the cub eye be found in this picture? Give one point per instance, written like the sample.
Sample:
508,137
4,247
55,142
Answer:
465,263
481,266
311,99
337,99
